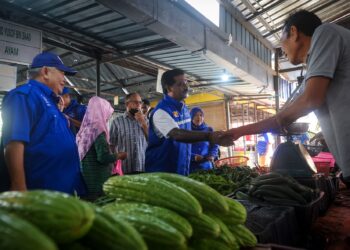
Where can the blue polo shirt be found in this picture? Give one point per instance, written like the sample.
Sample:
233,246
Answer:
164,154
51,159
75,111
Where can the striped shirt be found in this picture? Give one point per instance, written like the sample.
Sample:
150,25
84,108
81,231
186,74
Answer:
127,136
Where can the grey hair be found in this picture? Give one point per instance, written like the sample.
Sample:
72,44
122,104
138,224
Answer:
35,72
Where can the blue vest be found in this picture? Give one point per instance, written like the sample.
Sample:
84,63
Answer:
165,154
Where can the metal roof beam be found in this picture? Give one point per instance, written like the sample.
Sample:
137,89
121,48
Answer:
169,20
259,13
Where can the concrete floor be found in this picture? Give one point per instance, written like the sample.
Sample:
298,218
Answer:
334,227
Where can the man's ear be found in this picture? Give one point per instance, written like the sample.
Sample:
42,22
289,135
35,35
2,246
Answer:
294,33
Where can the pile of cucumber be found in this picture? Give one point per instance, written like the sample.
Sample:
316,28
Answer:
175,212
277,189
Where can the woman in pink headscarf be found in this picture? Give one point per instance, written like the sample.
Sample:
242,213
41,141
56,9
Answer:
93,146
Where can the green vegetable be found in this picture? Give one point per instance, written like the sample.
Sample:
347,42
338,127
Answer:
156,232
244,236
154,191
209,244
237,213
17,233
109,232
209,198
204,226
225,234
170,217
62,217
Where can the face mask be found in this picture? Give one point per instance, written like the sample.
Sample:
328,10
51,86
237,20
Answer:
133,111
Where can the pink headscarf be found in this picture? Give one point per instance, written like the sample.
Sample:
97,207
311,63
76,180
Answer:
94,123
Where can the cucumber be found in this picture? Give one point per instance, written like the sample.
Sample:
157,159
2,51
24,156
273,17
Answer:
286,190
204,226
154,191
108,232
263,194
225,234
237,213
62,217
244,236
267,176
170,217
282,202
209,244
210,199
270,181
18,234
156,232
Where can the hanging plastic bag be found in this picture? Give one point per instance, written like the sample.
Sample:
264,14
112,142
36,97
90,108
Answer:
118,168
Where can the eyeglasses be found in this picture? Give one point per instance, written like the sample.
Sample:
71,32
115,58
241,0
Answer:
136,102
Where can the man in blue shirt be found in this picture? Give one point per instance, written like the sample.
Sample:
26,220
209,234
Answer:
170,135
73,110
39,149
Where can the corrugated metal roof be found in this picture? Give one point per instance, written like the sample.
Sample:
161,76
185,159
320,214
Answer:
275,12
88,25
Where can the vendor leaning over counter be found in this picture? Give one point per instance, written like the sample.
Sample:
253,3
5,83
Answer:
170,135
325,49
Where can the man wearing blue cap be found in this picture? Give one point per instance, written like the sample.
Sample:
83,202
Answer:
73,110
39,149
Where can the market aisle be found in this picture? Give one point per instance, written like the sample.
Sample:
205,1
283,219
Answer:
334,227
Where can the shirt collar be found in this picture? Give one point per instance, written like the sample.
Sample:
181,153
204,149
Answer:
176,103
45,89
126,115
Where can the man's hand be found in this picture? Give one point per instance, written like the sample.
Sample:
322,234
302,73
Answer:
14,157
198,158
233,133
122,155
140,118
210,158
221,138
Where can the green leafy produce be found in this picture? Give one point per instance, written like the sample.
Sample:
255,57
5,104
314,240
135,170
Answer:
225,179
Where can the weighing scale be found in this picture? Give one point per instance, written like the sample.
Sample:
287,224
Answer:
292,158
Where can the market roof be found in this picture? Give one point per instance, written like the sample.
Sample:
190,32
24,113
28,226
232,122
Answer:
268,16
132,44
131,53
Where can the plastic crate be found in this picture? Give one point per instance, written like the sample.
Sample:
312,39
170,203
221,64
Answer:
305,214
234,161
272,224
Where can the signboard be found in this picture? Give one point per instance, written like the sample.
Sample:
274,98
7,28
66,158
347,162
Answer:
18,43
8,76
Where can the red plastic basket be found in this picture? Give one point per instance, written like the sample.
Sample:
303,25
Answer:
234,161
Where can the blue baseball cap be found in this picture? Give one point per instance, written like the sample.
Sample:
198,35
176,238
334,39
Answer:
65,91
51,60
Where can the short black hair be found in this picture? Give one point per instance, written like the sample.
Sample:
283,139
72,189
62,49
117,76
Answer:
168,78
146,102
305,21
128,96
